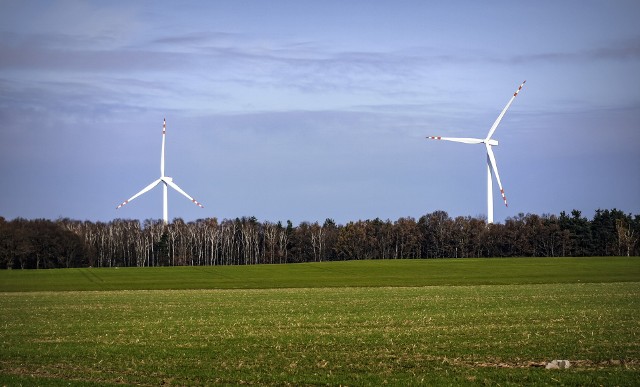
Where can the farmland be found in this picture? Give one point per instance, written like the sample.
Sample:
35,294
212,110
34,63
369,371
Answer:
401,322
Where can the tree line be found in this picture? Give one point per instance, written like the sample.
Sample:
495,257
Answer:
41,243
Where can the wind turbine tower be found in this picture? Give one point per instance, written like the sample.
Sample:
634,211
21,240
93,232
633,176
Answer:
166,182
492,167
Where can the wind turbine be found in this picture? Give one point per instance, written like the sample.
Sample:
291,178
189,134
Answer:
492,167
166,181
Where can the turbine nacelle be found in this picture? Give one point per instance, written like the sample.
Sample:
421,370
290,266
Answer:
491,142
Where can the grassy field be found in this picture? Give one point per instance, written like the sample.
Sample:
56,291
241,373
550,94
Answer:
434,322
330,274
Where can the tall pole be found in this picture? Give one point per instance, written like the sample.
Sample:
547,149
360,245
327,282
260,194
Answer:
165,206
489,192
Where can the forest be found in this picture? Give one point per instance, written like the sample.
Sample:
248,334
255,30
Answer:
64,243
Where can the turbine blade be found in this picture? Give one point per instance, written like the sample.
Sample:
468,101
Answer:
175,186
164,130
495,124
494,166
464,140
145,189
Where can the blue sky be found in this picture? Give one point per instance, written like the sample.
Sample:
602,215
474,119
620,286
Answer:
307,110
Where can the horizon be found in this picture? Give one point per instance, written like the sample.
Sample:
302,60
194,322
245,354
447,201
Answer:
568,213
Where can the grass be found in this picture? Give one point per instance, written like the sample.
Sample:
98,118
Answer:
454,322
330,274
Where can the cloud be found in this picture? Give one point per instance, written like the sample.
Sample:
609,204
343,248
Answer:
622,50
305,66
202,70
42,55
197,40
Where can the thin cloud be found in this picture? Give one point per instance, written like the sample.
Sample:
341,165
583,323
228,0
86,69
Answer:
25,58
198,40
621,51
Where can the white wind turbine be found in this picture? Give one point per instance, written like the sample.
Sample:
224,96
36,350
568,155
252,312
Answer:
166,181
492,167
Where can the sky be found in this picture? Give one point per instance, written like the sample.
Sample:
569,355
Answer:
307,110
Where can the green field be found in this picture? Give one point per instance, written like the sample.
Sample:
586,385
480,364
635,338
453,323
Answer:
407,322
